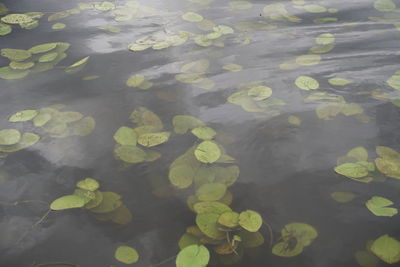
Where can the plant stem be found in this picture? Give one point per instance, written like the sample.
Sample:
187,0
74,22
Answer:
270,233
56,263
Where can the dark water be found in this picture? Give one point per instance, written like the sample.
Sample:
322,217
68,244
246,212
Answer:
286,171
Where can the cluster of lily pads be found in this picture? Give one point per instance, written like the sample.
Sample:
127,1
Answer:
56,123
357,166
37,59
195,73
12,140
103,205
133,143
26,21
256,97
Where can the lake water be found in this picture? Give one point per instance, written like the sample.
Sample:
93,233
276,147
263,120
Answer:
289,87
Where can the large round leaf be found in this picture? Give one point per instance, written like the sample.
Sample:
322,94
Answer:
193,256
250,220
207,152
387,249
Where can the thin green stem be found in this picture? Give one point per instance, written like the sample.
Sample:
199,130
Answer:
33,226
56,263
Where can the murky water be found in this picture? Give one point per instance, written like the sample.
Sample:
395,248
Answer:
286,136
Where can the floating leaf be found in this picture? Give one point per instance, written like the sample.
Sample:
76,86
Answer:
352,170
313,8
153,139
232,67
16,19
88,184
223,29
259,93
105,6
308,60
211,191
379,206
42,48
21,65
135,80
207,152
387,249
325,39
187,240
27,140
286,249
130,154
125,136
58,26
203,132
127,255
211,207
110,202
306,83
11,74
384,5
23,115
193,256
294,120
343,197
250,220
5,29
389,166
183,123
48,57
240,5
144,117
9,137
339,81
359,153
229,219
77,66
192,17
96,201
207,222
67,202
15,54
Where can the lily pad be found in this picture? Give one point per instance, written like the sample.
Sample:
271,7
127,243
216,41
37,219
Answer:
15,54
250,220
306,83
339,81
259,93
23,115
88,184
229,219
208,224
16,19
130,154
135,80
343,197
192,17
193,256
211,207
125,136
77,66
207,152
9,137
21,65
183,123
379,206
308,60
352,170
5,29
67,202
203,132
42,48
387,249
27,140
48,57
110,202
325,39
127,255
12,74
211,191
153,139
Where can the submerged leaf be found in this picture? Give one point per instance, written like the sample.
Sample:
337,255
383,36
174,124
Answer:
127,255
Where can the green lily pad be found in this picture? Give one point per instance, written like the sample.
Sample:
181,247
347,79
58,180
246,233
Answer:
294,120
387,249
325,39
189,77
384,5
110,202
230,67
85,194
5,29
105,6
343,197
192,17
9,137
240,5
67,202
27,140
304,233
11,74
211,207
42,48
260,93
187,240
83,127
193,256
313,8
95,201
144,117
181,176
359,153
203,132
286,249
389,166
23,115
207,152
130,154
250,220
77,66
48,57
58,26
208,224
211,191
308,60
229,219
306,83
88,184
153,139
135,80
339,81
127,255
379,206
21,65
197,66
223,29
183,123
125,136
15,54
394,81
352,170
16,19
